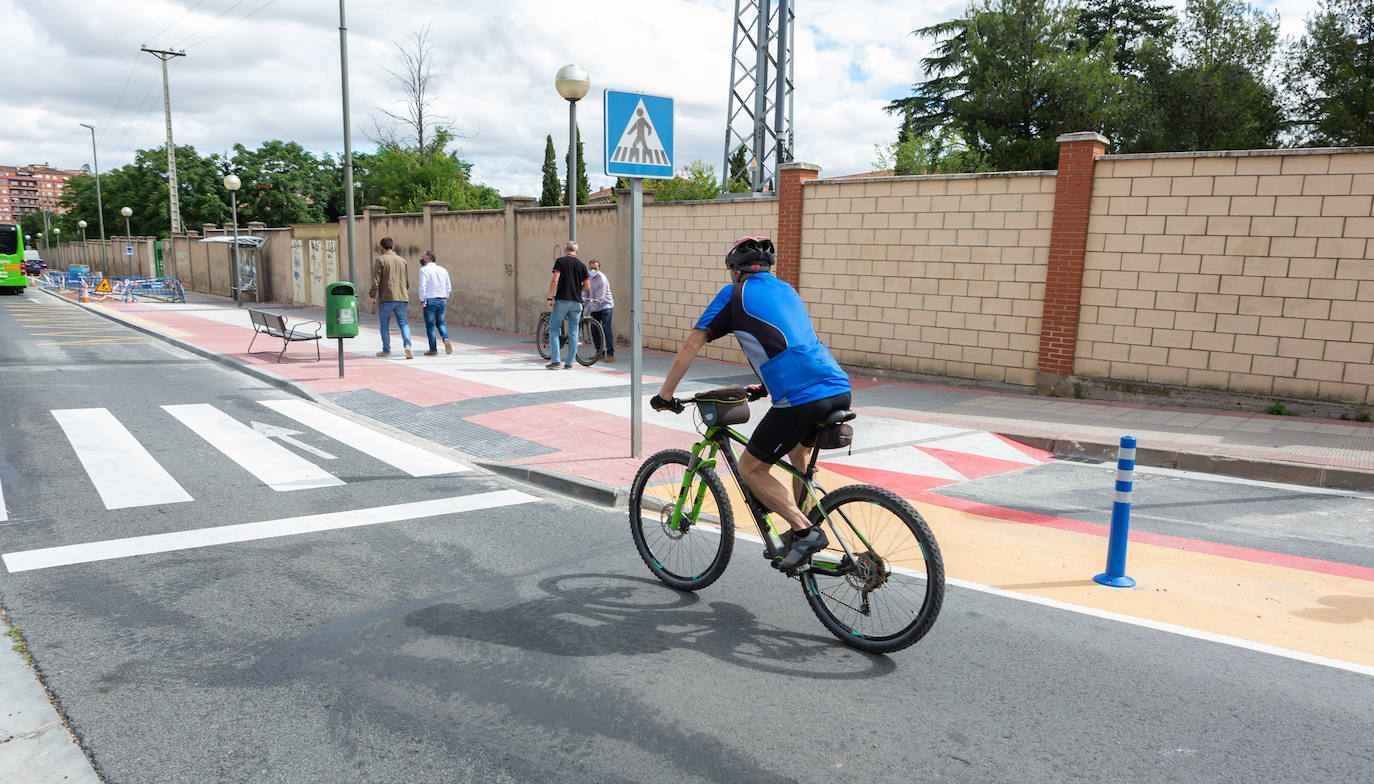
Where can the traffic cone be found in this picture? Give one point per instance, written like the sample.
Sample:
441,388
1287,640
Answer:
85,295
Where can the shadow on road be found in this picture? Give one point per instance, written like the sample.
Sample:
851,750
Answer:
599,614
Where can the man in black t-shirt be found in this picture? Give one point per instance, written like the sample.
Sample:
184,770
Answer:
566,289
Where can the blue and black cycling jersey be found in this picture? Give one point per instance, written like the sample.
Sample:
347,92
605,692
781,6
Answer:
770,322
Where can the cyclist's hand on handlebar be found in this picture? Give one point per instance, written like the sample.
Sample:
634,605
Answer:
669,404
756,391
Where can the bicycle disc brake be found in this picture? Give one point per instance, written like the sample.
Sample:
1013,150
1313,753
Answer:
665,521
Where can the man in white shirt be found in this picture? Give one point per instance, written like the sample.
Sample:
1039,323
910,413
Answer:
434,290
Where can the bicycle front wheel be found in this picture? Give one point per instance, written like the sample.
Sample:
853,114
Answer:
541,336
588,338
693,554
890,593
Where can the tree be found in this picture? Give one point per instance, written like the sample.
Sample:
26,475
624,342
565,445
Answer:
419,124
1128,23
1011,76
283,184
142,186
401,180
697,182
1211,94
739,181
939,152
584,192
1332,74
550,195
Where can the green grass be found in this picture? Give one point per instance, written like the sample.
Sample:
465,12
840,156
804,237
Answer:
17,636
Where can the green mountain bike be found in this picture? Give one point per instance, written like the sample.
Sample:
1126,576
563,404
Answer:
877,587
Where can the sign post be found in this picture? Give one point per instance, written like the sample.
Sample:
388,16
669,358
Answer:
638,145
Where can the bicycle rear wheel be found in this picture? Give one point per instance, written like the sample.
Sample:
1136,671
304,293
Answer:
892,593
588,338
694,554
541,336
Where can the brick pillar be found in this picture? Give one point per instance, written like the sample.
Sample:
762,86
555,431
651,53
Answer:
1073,190
788,239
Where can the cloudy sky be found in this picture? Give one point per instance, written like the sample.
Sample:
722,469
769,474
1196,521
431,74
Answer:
269,69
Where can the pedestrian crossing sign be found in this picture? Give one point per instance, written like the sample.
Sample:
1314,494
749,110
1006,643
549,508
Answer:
638,135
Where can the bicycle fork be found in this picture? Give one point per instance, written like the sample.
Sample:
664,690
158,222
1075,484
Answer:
677,521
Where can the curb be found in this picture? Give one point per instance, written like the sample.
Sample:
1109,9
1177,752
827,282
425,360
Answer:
284,384
583,489
1283,472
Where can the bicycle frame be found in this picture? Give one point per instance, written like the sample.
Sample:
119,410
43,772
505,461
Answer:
717,441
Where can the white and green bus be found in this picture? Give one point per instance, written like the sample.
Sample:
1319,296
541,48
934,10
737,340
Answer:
12,277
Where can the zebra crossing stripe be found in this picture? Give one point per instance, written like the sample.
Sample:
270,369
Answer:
47,557
4,513
409,458
278,467
123,472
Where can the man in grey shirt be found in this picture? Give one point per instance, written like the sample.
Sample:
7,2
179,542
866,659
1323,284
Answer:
601,306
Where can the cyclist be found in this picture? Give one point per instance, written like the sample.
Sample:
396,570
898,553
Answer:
772,327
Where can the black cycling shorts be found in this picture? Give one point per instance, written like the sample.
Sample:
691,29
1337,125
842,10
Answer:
781,429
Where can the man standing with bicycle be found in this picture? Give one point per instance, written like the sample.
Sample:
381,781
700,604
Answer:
770,322
566,290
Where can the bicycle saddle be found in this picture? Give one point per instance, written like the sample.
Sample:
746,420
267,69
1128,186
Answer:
836,417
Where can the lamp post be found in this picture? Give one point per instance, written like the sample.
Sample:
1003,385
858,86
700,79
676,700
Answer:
85,257
572,83
233,184
57,236
41,247
128,238
99,207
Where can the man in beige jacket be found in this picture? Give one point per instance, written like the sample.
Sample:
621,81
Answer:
391,285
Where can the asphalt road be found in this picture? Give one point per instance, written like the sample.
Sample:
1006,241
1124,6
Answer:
527,642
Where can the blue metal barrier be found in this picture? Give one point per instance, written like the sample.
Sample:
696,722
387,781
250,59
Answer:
1121,518
166,288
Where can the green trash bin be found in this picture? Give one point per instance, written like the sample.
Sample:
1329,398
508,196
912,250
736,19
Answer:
340,310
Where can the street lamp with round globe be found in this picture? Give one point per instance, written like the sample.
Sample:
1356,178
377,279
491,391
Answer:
57,251
572,83
128,238
233,183
81,224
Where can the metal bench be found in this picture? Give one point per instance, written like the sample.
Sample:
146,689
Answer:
274,324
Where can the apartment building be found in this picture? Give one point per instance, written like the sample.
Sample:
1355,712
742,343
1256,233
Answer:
32,188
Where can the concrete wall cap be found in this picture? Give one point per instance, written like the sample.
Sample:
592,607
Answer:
800,165
1239,153
509,199
1081,136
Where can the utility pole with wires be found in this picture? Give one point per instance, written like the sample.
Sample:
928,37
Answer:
164,55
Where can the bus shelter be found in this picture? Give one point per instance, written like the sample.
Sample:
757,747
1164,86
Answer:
250,262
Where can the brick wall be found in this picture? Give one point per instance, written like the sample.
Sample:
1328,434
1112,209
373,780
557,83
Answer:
684,264
1243,271
935,274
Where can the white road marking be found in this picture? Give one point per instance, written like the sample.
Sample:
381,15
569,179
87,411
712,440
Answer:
48,557
4,513
276,466
121,469
407,457
1108,615
983,445
285,434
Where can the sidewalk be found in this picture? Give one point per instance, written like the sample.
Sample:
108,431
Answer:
493,399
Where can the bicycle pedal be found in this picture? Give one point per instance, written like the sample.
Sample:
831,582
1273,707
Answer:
799,570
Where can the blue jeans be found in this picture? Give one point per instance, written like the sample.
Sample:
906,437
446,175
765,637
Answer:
570,311
434,316
385,310
603,317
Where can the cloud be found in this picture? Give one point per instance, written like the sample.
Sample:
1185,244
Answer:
275,74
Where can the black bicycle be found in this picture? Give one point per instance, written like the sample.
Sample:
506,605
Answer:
877,587
590,337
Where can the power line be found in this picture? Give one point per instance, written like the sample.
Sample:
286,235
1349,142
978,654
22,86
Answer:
202,29
249,15
177,22
120,100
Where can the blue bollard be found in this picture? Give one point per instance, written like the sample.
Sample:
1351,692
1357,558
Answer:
1115,575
